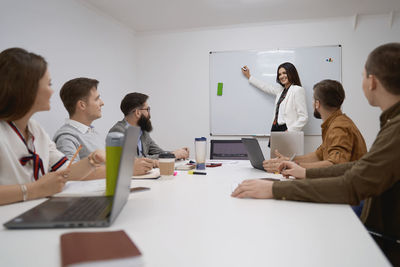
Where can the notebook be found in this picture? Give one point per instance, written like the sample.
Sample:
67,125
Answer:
153,174
287,143
113,248
254,152
100,211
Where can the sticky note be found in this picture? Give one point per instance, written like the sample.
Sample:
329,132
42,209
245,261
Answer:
219,91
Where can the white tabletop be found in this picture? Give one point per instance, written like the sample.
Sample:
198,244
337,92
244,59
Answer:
191,220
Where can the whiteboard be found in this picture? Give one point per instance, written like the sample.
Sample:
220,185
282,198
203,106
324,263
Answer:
243,109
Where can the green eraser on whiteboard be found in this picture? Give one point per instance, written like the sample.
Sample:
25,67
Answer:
219,91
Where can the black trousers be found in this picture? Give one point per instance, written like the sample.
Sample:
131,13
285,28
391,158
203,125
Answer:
277,128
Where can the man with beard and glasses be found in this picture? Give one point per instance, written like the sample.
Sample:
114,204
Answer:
137,113
341,139
83,103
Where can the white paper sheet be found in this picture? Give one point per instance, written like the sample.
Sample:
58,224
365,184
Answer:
83,188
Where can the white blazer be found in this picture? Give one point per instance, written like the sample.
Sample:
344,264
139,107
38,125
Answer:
292,110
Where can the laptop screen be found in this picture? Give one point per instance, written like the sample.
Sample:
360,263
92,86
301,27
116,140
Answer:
228,149
254,151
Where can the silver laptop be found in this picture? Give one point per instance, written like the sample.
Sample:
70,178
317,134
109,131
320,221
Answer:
254,152
101,211
287,143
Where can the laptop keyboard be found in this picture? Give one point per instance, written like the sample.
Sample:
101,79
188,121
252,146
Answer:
86,209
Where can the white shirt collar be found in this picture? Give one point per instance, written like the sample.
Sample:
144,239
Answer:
80,126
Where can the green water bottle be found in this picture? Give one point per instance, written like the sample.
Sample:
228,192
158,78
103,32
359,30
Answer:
113,155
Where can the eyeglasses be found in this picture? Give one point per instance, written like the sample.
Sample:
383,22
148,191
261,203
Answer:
148,109
133,110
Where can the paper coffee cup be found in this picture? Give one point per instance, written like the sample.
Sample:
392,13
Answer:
166,162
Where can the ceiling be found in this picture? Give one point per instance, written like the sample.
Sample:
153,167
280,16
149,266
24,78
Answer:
173,15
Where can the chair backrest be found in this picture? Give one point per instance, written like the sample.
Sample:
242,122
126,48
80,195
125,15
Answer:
228,149
287,143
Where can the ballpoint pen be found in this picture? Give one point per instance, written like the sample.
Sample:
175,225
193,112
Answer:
291,159
385,237
198,173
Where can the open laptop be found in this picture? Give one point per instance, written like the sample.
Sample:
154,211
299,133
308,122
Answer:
254,152
228,149
101,211
287,143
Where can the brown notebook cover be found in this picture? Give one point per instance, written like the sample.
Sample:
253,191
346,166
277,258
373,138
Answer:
80,247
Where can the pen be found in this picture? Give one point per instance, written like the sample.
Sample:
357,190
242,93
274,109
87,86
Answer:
200,173
291,159
76,154
213,164
385,237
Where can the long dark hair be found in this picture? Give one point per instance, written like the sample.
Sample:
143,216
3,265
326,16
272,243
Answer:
291,73
20,72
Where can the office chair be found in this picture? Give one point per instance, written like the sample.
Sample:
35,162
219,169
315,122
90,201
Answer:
228,149
287,143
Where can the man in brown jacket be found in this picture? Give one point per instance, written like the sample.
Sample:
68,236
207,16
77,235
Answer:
375,177
341,139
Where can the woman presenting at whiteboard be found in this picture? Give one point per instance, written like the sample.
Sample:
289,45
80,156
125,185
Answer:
290,113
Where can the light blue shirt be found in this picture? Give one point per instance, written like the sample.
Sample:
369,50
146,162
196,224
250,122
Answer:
139,145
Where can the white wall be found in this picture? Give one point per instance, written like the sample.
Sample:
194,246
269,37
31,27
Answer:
173,69
76,42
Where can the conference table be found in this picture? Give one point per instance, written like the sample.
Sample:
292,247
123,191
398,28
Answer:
191,220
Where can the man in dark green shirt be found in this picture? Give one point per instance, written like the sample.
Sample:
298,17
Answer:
375,177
